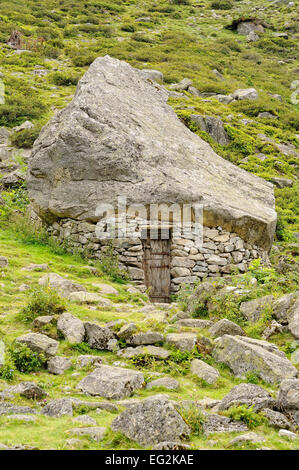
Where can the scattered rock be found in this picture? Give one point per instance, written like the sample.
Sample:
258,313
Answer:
23,418
213,126
195,323
246,94
11,408
89,298
28,390
58,365
226,327
140,350
245,355
64,286
154,75
3,262
152,421
276,419
97,336
85,420
71,328
59,407
288,434
247,394
182,341
95,433
106,288
217,424
168,445
112,382
205,372
42,321
36,267
254,309
282,182
288,397
149,337
165,382
250,437
39,343
87,360
126,331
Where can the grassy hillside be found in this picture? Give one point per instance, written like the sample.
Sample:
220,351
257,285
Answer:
181,38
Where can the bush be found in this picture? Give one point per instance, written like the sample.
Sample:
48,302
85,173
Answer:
222,5
109,264
26,138
26,360
84,59
194,418
64,79
7,371
246,415
42,301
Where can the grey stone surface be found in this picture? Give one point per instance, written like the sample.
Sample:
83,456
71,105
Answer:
39,343
245,355
253,309
97,336
92,140
59,407
63,286
149,337
154,351
226,327
182,341
276,419
58,365
250,437
71,327
288,397
112,382
247,394
151,421
218,424
213,126
165,382
95,433
204,371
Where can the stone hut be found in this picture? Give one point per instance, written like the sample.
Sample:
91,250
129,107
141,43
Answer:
117,167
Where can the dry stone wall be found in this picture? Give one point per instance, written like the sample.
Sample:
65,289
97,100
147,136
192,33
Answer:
220,253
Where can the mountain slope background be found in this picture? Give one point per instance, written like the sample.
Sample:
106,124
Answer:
182,39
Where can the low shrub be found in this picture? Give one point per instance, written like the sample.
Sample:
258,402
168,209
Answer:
42,301
246,415
194,418
26,138
25,359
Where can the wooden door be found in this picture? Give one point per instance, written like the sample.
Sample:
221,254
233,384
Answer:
156,265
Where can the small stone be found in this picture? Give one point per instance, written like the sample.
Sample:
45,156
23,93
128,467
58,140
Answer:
95,433
165,382
287,434
204,371
58,365
85,420
250,437
59,407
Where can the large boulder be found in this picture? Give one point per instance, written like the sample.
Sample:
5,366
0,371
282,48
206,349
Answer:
151,421
204,371
247,394
59,407
71,327
58,365
149,337
112,382
226,327
254,309
98,337
39,343
119,136
213,126
288,397
245,355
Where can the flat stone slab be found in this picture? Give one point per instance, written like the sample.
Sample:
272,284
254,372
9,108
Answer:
182,341
112,382
94,433
154,351
195,323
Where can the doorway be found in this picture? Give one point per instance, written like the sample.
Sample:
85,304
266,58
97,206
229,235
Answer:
156,265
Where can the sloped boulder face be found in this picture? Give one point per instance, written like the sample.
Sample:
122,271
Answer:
245,355
112,382
152,421
119,137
